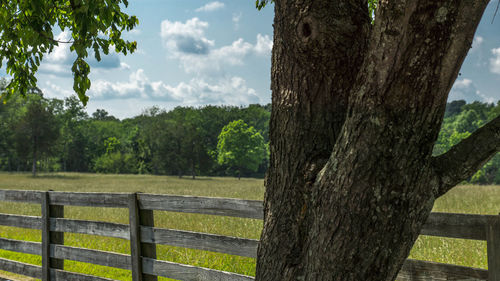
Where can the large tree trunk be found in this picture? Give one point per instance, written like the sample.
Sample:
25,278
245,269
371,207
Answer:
356,111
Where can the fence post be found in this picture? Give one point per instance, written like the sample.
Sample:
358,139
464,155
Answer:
146,218
45,236
56,211
493,245
135,238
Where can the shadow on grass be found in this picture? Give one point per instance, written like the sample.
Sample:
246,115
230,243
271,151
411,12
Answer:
43,175
61,177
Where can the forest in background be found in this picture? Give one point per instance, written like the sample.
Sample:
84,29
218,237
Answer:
182,141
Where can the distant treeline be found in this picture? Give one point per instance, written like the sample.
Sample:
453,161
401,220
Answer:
460,120
60,136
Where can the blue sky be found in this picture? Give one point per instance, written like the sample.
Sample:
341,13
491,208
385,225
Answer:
194,53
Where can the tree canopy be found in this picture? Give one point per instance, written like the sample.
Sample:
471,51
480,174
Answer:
27,34
241,146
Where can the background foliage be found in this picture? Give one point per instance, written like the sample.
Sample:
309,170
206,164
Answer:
241,147
182,141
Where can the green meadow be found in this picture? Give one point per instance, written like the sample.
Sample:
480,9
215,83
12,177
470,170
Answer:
462,199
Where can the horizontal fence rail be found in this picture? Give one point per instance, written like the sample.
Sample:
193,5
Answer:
144,237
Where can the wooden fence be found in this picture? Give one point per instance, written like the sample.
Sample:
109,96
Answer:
144,236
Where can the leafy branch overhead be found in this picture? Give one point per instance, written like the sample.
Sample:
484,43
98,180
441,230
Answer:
27,34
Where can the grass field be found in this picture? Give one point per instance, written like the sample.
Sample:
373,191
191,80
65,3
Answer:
462,199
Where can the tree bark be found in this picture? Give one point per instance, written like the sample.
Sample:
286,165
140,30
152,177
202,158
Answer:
193,172
33,169
464,159
356,111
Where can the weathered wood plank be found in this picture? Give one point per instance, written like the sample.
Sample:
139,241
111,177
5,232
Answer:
45,237
21,221
20,268
439,224
89,199
415,270
202,205
56,237
135,237
465,226
146,218
34,248
201,241
108,229
90,256
36,272
61,275
25,196
493,245
188,272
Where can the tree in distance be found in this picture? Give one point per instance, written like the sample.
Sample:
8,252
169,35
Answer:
37,130
241,147
359,92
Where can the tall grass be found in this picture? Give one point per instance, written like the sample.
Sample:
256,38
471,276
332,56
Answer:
462,199
468,199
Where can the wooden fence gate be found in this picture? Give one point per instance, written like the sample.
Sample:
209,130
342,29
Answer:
144,236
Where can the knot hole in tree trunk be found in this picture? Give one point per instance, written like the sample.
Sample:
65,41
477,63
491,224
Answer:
306,30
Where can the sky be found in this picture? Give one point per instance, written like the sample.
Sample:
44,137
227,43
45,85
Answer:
195,53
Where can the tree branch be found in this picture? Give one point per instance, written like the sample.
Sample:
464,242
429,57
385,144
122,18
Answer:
465,158
44,35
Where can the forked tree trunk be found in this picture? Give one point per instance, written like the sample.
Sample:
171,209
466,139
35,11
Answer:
356,111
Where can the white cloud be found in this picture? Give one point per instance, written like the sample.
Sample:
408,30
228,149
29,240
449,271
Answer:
137,86
215,60
476,43
210,7
462,84
465,89
264,45
61,54
135,31
236,20
124,66
52,90
495,61
59,61
198,91
187,43
186,37
55,69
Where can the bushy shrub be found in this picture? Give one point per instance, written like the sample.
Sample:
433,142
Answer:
116,163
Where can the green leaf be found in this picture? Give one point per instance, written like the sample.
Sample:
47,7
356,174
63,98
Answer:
28,25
